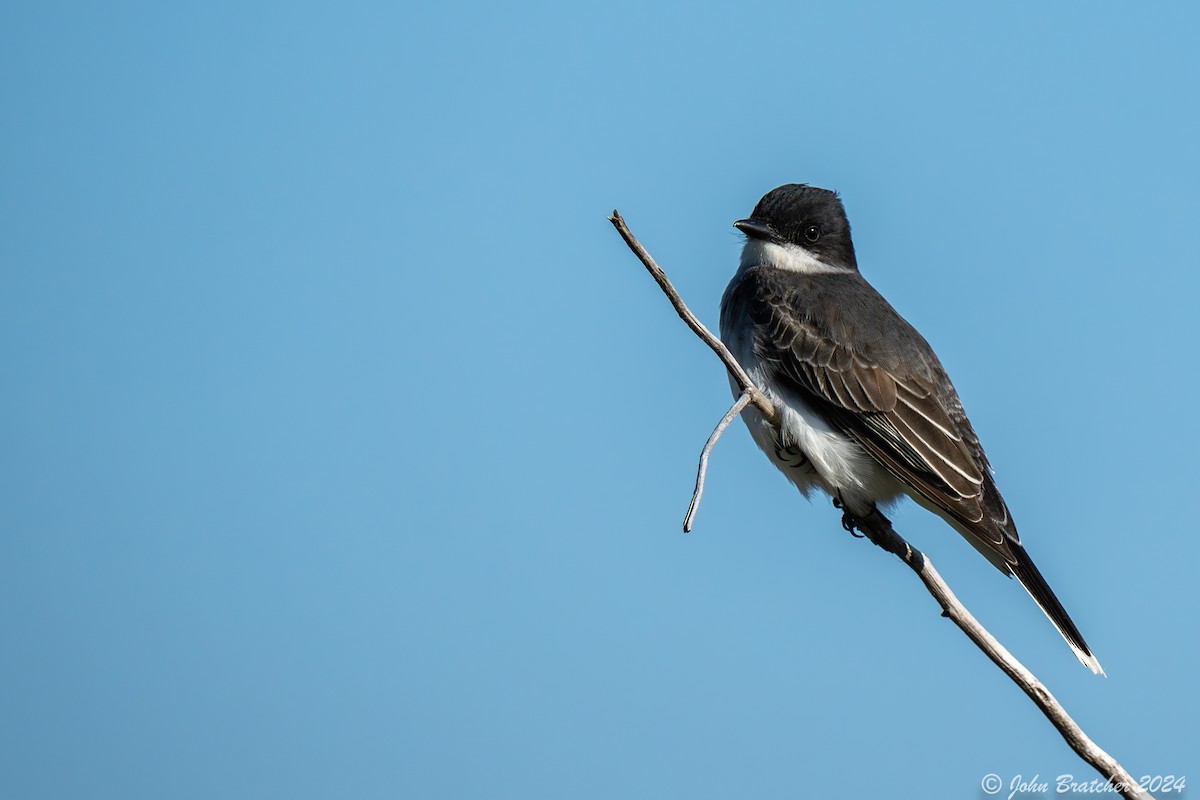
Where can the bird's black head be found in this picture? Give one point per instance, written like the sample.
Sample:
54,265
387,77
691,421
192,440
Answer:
804,216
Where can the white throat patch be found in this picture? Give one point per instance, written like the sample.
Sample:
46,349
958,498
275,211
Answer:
784,256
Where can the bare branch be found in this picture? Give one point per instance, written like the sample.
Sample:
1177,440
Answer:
759,399
879,530
743,400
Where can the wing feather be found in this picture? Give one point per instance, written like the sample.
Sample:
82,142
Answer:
898,417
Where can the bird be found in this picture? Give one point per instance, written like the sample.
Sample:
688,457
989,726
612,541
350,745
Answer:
866,412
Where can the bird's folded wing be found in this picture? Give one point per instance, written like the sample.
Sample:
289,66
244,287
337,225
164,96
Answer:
899,419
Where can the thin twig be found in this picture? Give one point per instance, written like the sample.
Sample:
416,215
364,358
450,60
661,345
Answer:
880,531
759,399
743,400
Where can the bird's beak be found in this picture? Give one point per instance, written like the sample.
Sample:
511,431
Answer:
755,229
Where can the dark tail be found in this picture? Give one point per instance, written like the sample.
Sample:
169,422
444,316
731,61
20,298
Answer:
1029,576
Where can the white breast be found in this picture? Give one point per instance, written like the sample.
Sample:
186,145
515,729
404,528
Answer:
833,462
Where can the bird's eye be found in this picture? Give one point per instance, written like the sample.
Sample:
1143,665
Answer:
812,232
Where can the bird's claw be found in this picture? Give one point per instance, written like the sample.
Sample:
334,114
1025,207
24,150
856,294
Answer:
850,522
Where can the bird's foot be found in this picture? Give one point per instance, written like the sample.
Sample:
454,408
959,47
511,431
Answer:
850,522
878,529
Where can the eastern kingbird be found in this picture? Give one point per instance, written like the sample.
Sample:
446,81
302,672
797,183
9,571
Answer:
867,412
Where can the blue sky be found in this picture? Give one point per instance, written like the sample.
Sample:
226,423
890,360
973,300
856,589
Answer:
345,445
